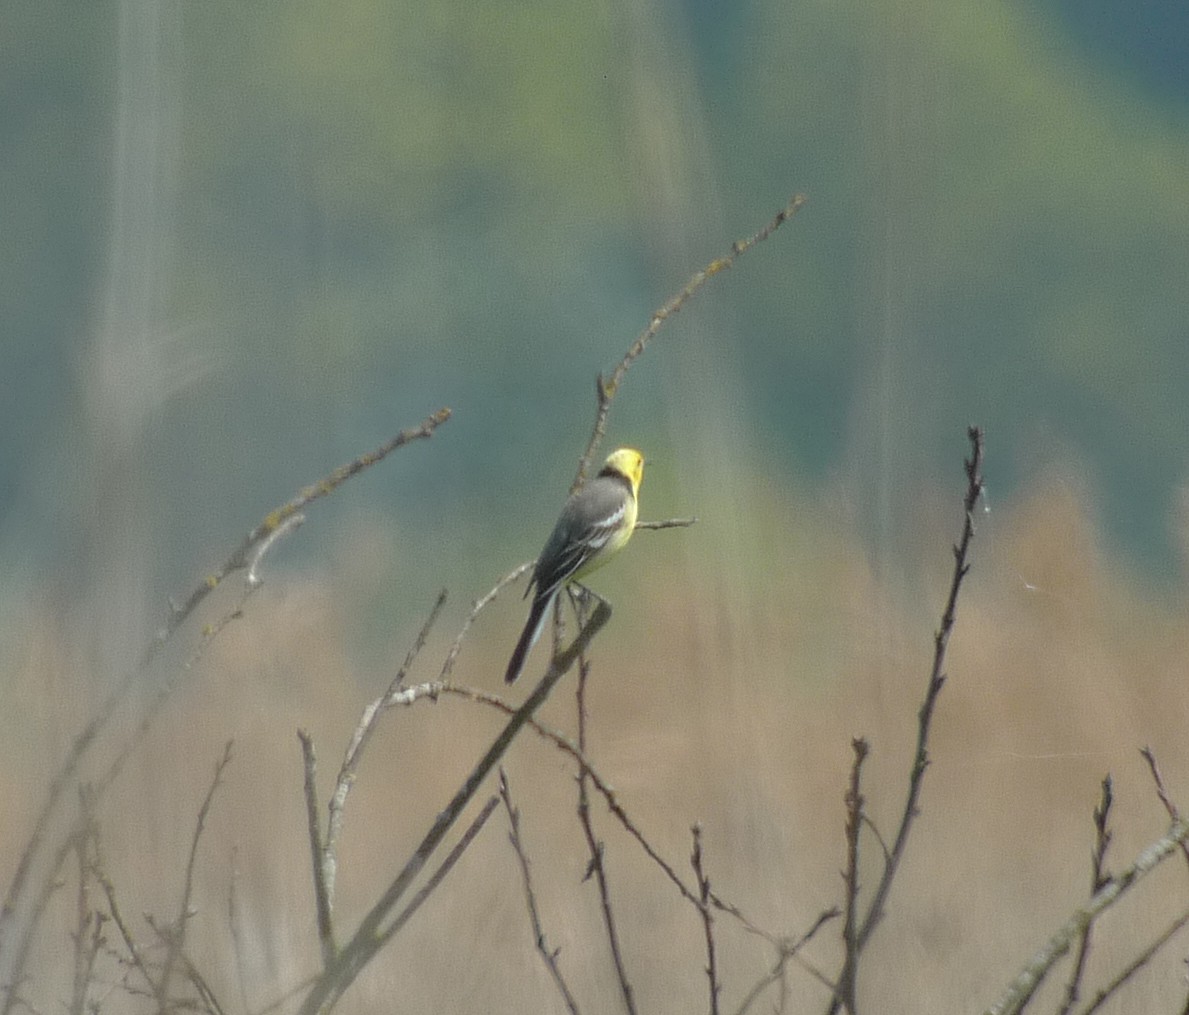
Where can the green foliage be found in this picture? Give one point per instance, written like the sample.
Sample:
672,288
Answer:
379,201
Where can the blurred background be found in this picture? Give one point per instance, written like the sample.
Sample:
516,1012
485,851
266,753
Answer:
245,242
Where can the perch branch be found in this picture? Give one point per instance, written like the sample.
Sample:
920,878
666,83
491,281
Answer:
368,940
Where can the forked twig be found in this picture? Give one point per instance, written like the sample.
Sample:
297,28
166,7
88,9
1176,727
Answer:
324,849
785,950
1158,778
435,689
369,938
1098,878
135,956
210,1003
1024,986
246,556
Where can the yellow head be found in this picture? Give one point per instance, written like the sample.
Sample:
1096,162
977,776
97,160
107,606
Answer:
626,462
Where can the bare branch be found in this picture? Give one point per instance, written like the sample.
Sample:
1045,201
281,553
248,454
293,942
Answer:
707,917
1137,963
321,860
367,940
846,995
88,932
1158,778
596,867
875,911
437,877
324,850
244,556
360,738
548,956
247,555
606,388
668,523
785,950
210,1003
476,608
134,950
974,489
1098,878
175,939
433,690
1024,986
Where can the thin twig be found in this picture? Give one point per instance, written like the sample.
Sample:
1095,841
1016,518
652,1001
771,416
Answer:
1137,964
707,917
668,523
167,935
246,555
364,730
236,932
324,850
367,940
476,608
1024,986
974,489
1099,876
242,556
548,955
437,877
786,950
433,690
88,933
319,861
596,866
606,388
1158,778
854,823
113,908
176,938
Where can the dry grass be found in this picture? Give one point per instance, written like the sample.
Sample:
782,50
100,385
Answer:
732,707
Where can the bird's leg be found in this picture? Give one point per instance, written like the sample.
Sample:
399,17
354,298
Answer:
580,597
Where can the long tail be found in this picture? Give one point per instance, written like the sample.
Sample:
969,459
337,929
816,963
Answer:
530,634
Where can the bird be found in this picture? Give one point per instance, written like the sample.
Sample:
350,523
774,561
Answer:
595,524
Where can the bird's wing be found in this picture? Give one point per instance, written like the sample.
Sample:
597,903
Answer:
588,521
